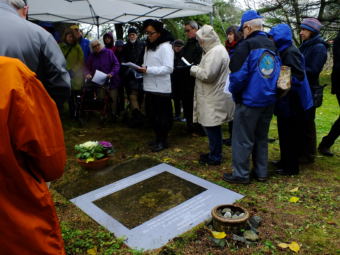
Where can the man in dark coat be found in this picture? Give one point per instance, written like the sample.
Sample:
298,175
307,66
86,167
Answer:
192,52
133,51
314,49
328,140
290,108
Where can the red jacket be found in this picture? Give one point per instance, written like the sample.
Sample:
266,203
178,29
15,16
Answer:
32,151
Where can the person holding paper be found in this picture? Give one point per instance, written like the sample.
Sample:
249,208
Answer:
212,106
104,60
192,53
157,67
133,52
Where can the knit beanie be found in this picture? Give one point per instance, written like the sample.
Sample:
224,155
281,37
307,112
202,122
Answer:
311,24
132,30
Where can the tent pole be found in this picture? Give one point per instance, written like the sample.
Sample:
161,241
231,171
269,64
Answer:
97,21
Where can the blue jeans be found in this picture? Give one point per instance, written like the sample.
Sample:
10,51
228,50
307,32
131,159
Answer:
215,142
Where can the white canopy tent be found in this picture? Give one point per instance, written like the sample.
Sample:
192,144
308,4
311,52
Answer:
98,12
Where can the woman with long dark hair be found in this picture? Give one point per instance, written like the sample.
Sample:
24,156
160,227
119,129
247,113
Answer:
157,67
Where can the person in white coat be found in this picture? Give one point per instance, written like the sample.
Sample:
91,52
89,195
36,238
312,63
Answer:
212,106
157,67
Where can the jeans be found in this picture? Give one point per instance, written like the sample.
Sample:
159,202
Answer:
215,142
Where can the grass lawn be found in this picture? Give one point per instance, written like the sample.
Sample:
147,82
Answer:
313,222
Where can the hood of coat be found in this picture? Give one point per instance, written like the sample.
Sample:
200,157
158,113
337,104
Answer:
207,37
282,36
110,44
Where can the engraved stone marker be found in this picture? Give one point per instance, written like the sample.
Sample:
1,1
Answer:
155,205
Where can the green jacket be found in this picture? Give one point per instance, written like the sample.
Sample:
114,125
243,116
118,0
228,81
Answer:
74,63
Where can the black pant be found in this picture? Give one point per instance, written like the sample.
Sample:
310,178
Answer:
159,109
334,133
290,137
188,104
72,104
308,148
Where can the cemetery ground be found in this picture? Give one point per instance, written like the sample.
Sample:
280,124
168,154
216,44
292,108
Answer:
313,221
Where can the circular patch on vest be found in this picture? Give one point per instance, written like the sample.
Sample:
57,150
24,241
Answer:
266,64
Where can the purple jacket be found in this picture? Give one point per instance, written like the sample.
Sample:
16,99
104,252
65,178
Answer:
106,62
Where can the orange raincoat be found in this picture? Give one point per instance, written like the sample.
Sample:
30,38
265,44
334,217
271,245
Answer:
32,151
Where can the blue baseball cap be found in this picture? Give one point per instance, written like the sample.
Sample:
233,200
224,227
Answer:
247,16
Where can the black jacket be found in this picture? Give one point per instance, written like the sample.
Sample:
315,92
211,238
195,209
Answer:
315,52
133,52
336,66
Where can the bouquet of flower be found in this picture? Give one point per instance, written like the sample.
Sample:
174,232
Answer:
93,150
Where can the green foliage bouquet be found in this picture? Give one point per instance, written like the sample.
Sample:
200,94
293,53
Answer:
93,150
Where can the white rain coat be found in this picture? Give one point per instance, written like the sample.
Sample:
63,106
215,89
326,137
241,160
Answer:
211,105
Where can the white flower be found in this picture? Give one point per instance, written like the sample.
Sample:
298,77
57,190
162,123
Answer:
89,144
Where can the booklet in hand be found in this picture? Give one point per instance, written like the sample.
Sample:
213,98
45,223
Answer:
132,65
99,77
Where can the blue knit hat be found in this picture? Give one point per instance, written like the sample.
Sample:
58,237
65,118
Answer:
247,16
311,24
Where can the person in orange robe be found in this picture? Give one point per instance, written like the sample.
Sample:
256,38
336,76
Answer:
32,152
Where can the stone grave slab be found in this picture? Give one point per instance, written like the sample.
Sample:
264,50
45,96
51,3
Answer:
153,206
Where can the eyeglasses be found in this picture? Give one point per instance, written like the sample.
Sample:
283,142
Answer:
187,30
150,33
95,46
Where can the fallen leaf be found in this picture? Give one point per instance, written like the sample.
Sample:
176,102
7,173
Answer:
294,190
136,156
167,160
294,246
178,150
92,251
294,199
218,235
283,245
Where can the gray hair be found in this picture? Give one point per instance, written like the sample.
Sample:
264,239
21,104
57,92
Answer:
17,4
193,24
94,42
255,24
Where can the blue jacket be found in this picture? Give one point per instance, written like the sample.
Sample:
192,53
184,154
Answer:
85,46
299,98
255,68
315,52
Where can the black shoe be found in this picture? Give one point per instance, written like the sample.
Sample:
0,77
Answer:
206,160
227,142
253,175
286,172
232,179
325,151
158,147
